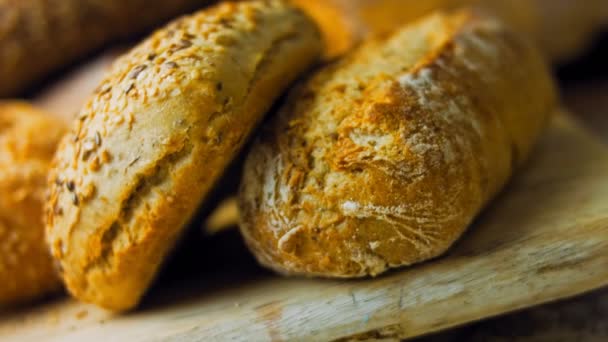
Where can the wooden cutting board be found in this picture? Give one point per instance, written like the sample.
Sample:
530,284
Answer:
544,238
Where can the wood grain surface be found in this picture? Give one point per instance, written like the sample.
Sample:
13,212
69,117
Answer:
584,318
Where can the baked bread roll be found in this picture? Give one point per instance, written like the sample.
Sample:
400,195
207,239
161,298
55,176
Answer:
39,36
561,28
156,136
384,158
28,139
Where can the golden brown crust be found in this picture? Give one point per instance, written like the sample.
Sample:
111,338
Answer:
38,36
28,139
562,28
157,134
383,159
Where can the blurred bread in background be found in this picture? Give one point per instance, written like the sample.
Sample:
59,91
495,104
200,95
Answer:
561,28
39,36
67,96
28,138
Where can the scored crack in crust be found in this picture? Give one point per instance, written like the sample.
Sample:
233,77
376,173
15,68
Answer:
384,158
28,139
156,136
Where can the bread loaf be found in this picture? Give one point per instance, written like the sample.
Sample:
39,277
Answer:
39,36
384,158
562,28
28,139
158,133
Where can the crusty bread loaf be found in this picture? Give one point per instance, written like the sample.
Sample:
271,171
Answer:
156,136
28,139
39,36
561,28
384,158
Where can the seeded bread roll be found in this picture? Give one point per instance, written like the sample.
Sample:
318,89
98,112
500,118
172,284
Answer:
562,28
158,133
39,36
383,159
28,139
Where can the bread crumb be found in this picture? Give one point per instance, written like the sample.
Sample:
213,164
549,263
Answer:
81,314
